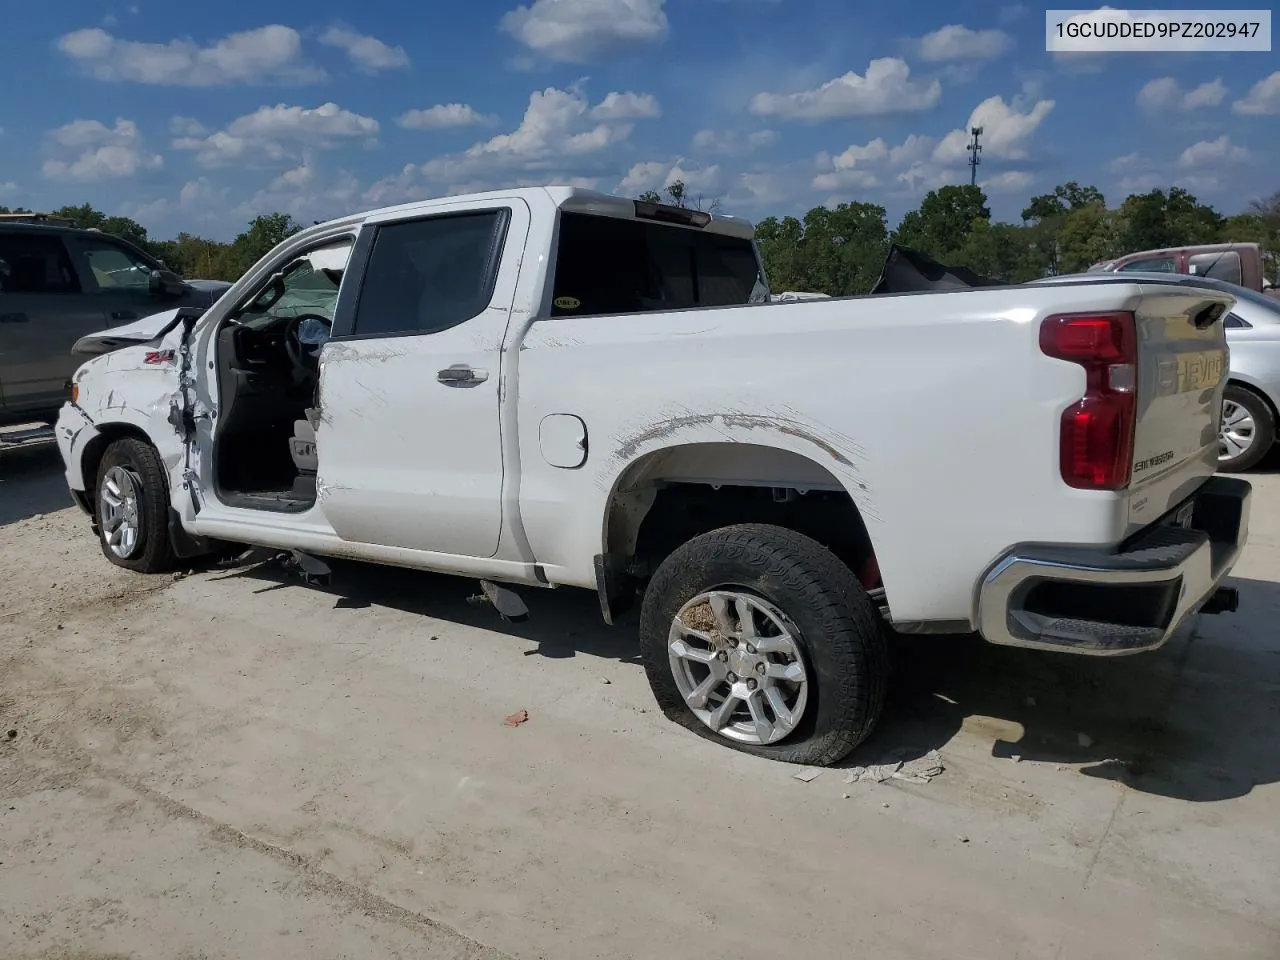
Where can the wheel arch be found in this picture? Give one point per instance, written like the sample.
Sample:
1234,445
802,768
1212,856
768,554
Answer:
669,495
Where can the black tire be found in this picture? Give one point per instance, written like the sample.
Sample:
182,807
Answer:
152,553
1264,428
841,634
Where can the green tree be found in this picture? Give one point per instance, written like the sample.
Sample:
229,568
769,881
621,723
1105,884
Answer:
1088,234
676,193
999,251
264,233
837,251
1158,219
86,216
943,221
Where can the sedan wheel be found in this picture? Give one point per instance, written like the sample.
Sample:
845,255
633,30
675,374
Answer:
1246,430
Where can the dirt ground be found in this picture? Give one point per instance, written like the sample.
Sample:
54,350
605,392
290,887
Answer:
236,765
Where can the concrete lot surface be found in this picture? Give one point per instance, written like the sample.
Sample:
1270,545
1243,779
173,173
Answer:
236,765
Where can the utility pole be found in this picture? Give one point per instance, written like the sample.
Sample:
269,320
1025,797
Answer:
974,149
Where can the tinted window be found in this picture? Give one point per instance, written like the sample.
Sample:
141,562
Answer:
31,263
1156,265
611,265
429,275
1220,266
115,267
1234,321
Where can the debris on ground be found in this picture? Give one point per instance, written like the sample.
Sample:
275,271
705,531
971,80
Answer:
1016,758
517,718
605,680
807,775
962,838
917,770
1084,740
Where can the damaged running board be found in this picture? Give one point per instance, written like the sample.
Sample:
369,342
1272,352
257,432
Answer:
311,570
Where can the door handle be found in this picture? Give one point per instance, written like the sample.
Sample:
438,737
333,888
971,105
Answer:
123,315
13,318
460,375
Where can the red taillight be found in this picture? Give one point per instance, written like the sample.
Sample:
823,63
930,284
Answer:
1096,451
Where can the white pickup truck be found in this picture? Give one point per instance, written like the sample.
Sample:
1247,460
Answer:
551,387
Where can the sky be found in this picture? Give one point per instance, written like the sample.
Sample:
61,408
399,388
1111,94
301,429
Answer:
197,118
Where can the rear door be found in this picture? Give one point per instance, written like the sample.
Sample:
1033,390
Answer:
409,438
1182,371
43,311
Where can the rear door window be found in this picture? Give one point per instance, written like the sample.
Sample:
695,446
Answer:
115,267
608,265
35,263
1219,266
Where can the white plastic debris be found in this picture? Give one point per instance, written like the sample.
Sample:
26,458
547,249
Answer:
918,770
811,774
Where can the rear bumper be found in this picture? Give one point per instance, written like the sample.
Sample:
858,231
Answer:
1106,602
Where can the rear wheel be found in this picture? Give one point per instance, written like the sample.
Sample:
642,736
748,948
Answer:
1246,431
759,638
132,504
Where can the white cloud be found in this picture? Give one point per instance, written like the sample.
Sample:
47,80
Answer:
1200,183
102,152
368,53
561,138
627,106
1212,153
200,194
655,175
1005,131
306,195
267,54
1129,161
443,116
886,88
730,142
956,42
1164,93
1262,99
579,31
1009,181
557,123
277,133
186,127
1206,95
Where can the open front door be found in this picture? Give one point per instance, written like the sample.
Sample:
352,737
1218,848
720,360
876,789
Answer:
409,437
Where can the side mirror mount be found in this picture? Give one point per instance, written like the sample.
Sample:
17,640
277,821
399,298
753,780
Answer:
166,283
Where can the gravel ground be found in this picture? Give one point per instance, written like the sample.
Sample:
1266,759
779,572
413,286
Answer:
235,765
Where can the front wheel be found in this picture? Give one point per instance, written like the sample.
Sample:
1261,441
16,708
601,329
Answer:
133,507
1246,430
760,639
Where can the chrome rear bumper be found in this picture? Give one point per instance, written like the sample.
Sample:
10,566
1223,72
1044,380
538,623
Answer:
1092,600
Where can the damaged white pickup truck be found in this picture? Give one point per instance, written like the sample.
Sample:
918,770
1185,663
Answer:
550,387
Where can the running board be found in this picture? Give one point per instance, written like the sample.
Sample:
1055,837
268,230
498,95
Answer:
26,437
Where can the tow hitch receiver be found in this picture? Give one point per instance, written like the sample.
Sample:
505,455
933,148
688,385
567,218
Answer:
1222,600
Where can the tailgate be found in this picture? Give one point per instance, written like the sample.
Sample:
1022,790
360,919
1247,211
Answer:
1182,371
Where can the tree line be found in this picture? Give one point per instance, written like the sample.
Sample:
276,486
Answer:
840,250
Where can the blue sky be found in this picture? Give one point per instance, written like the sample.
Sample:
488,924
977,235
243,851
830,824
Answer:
199,117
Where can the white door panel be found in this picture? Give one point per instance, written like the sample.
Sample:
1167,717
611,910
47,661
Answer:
409,441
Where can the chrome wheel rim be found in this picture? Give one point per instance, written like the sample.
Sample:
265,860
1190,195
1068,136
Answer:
119,513
1236,432
737,661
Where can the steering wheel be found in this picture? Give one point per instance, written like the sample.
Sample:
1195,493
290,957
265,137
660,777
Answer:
304,351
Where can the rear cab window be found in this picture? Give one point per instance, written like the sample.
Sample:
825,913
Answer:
612,265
